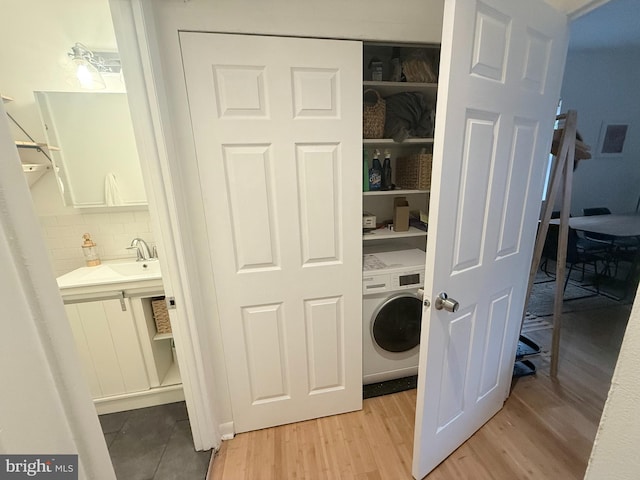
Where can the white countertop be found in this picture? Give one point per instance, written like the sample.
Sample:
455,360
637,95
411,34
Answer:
112,275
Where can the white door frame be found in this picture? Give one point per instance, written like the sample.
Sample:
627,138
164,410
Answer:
138,52
138,31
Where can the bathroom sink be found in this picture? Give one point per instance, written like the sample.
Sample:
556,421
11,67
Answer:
111,272
145,268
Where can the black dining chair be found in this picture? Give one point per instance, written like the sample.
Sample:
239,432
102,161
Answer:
622,249
576,255
590,212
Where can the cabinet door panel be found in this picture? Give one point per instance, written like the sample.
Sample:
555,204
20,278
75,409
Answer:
95,326
109,348
82,345
127,346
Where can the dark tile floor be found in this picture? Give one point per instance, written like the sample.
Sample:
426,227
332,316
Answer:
153,444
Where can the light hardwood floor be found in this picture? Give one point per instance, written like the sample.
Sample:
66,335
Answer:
545,431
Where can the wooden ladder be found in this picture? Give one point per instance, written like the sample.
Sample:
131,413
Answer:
565,148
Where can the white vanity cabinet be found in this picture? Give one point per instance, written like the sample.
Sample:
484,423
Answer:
162,367
126,363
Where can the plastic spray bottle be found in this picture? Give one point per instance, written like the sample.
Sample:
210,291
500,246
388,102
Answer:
375,174
386,172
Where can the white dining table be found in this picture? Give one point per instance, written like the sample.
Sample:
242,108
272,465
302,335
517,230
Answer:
618,225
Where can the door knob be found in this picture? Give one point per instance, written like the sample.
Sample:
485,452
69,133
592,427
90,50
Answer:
446,303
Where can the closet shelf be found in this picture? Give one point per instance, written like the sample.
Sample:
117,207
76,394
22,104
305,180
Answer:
385,89
394,192
162,336
34,167
31,143
391,142
172,377
35,145
406,86
385,234
381,203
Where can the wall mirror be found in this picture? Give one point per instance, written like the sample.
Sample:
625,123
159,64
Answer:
97,163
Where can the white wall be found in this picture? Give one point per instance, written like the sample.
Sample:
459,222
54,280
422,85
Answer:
615,450
409,21
602,85
36,36
112,233
45,405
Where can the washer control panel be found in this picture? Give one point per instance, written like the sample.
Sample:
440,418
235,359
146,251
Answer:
392,270
389,282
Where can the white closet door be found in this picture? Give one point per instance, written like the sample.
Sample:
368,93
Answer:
277,131
500,76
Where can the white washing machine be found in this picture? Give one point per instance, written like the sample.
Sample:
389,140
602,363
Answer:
391,313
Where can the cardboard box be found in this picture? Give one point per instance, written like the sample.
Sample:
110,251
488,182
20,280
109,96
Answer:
400,214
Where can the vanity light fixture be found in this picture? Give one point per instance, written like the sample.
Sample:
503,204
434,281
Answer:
90,66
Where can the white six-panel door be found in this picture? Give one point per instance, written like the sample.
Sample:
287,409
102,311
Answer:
500,75
277,131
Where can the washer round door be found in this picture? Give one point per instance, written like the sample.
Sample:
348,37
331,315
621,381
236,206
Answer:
396,323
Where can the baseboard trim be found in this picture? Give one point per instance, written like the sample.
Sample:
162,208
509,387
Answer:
390,375
227,431
133,401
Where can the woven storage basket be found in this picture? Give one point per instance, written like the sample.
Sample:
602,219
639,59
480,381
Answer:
419,65
373,115
414,172
161,315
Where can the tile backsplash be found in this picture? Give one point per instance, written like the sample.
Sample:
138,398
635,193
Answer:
112,233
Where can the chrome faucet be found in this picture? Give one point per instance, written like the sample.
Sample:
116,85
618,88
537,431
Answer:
142,249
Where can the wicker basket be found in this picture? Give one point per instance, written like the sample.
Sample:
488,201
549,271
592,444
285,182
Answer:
161,315
373,114
414,172
419,65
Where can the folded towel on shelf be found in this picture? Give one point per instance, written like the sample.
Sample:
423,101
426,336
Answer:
111,190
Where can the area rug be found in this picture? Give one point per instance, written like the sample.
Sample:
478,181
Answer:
533,323
577,298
